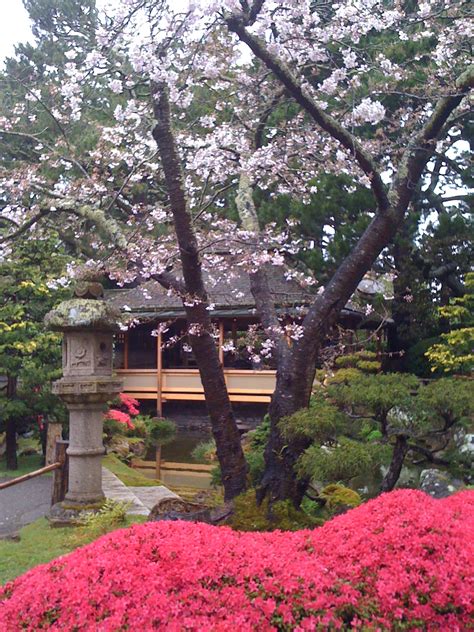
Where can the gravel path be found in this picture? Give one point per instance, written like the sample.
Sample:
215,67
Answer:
24,503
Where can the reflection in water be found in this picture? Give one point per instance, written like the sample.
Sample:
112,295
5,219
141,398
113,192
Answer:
179,468
180,449
179,452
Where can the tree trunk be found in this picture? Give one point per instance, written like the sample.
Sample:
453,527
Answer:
398,456
293,387
295,376
10,443
195,300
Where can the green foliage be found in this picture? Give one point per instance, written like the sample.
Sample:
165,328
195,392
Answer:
376,394
248,516
205,451
446,402
353,359
159,431
30,356
322,421
346,460
344,376
112,515
338,496
454,354
339,202
255,450
416,361
367,366
332,500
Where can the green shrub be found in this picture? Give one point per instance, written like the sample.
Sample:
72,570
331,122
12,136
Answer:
321,421
248,516
111,516
338,497
255,450
334,499
159,431
344,376
346,460
205,451
369,366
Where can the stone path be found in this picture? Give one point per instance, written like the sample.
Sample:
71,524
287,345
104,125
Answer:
30,500
23,503
140,499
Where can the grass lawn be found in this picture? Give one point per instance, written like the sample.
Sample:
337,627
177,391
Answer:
26,464
39,544
127,475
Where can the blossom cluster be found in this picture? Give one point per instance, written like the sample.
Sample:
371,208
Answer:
401,561
124,410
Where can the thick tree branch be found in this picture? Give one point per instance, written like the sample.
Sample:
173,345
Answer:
421,148
237,24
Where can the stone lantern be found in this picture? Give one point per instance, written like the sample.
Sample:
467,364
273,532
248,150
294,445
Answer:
87,323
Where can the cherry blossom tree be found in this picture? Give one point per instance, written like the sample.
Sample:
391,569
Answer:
181,118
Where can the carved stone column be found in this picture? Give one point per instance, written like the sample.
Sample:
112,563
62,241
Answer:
87,384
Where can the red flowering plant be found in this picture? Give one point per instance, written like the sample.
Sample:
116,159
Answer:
403,561
122,410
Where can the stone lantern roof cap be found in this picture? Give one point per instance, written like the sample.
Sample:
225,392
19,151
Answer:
79,314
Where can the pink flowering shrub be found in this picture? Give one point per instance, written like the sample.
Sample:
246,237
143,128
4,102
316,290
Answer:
123,410
403,561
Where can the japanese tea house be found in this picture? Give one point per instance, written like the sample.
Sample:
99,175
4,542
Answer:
156,362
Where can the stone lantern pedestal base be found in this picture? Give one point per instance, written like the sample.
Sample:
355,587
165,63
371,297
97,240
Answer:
68,514
86,402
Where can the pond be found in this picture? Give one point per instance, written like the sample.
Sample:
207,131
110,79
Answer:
180,469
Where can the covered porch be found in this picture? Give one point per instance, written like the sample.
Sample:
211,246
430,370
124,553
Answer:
153,368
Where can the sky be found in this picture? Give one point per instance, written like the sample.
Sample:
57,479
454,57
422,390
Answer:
14,26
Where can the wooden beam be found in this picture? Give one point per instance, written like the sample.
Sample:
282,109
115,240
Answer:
159,366
221,342
125,350
26,477
200,397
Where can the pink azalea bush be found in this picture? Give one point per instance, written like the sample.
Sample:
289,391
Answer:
403,561
123,410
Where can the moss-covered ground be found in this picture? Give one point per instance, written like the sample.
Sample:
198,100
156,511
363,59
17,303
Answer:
128,476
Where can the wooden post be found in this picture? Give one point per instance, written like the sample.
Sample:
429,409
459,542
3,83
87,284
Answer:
61,475
159,376
221,342
158,462
53,433
379,346
125,350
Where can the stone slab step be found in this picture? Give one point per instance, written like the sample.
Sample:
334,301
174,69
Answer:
149,496
141,499
116,490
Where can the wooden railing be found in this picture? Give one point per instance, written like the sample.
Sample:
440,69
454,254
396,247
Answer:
185,384
60,469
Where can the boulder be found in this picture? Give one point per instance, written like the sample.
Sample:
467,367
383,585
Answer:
170,509
438,483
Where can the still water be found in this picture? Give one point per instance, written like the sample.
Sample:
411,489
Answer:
179,452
